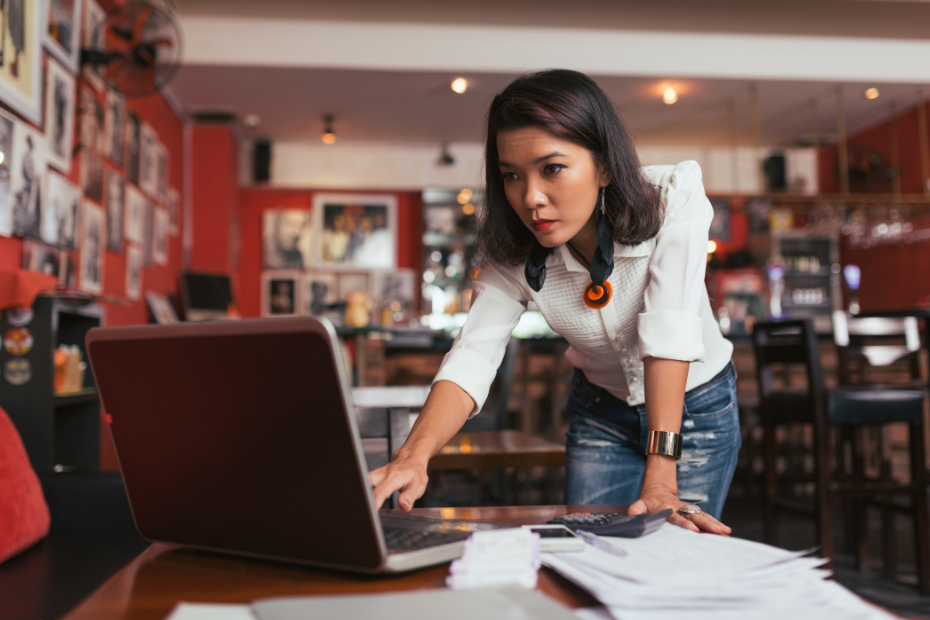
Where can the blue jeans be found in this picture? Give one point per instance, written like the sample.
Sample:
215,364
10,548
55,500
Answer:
606,443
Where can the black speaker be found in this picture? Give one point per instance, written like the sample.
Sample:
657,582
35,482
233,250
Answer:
774,169
261,161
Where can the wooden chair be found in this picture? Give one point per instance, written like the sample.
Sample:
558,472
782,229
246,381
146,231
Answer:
792,344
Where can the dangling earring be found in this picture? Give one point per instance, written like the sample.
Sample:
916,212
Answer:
598,293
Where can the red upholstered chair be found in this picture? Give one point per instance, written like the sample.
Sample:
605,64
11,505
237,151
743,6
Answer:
24,517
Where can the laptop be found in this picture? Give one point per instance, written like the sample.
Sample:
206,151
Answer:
240,437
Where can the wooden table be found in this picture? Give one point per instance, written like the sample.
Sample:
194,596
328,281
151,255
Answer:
150,586
490,449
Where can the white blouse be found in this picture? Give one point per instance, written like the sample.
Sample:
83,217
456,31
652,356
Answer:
659,306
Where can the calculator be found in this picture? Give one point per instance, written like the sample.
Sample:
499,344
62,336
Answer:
613,523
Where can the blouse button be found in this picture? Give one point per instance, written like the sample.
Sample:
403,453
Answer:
632,379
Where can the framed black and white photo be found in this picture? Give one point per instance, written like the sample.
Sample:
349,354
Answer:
21,51
396,289
114,127
148,233
148,155
92,241
38,256
352,283
59,115
355,231
280,293
286,239
61,213
94,16
135,215
116,205
174,214
62,31
161,172
133,272
27,179
319,291
160,237
91,145
133,147
161,308
7,127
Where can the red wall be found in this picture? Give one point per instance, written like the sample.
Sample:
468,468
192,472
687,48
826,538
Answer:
878,138
214,196
253,201
894,275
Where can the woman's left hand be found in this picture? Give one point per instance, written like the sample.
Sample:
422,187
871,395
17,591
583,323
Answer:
658,497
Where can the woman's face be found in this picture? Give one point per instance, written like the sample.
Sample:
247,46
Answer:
551,183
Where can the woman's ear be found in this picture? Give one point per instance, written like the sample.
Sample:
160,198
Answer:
603,175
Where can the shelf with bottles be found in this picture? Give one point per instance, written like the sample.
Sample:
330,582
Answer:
450,221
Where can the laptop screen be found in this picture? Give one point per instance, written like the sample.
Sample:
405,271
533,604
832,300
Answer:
234,436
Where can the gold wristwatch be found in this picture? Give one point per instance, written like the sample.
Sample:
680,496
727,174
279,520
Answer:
665,443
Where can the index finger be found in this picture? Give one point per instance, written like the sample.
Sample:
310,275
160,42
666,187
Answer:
388,485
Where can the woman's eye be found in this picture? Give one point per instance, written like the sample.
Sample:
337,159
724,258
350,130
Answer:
509,176
552,168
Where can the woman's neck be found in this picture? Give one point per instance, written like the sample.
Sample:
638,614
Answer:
585,241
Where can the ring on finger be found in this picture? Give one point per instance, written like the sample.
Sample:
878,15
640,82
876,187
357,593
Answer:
688,509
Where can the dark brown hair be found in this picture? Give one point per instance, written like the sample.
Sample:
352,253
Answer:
571,106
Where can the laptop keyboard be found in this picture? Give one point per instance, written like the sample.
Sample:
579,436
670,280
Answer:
400,540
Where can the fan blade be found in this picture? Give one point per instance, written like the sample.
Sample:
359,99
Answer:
140,25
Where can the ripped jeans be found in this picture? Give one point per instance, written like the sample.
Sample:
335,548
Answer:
606,443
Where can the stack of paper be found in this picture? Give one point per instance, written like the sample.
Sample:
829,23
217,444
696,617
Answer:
675,574
497,558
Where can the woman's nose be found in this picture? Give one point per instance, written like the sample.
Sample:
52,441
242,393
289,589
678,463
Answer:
533,198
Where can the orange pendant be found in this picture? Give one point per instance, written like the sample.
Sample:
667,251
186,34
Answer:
597,296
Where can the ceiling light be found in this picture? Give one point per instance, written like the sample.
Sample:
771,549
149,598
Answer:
464,196
445,157
459,85
468,209
670,96
252,121
328,136
871,93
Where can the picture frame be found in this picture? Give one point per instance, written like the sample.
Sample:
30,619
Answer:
161,308
160,236
148,155
174,213
287,239
62,212
148,233
349,282
93,239
115,201
62,35
94,15
135,215
91,145
7,128
319,291
133,272
393,286
355,231
133,147
161,172
60,93
281,294
21,77
114,127
27,180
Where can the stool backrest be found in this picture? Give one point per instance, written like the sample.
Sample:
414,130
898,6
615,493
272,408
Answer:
865,342
785,344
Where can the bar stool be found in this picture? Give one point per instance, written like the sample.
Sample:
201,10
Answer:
849,409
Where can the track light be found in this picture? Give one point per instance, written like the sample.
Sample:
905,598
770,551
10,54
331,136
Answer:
445,157
871,93
328,136
459,85
670,96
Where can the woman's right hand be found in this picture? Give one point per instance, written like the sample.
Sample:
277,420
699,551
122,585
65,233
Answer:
406,473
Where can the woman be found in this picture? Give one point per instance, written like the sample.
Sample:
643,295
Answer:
613,255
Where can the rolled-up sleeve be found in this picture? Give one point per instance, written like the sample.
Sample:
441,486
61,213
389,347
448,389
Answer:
498,301
670,326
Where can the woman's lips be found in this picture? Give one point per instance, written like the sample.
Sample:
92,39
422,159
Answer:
542,225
